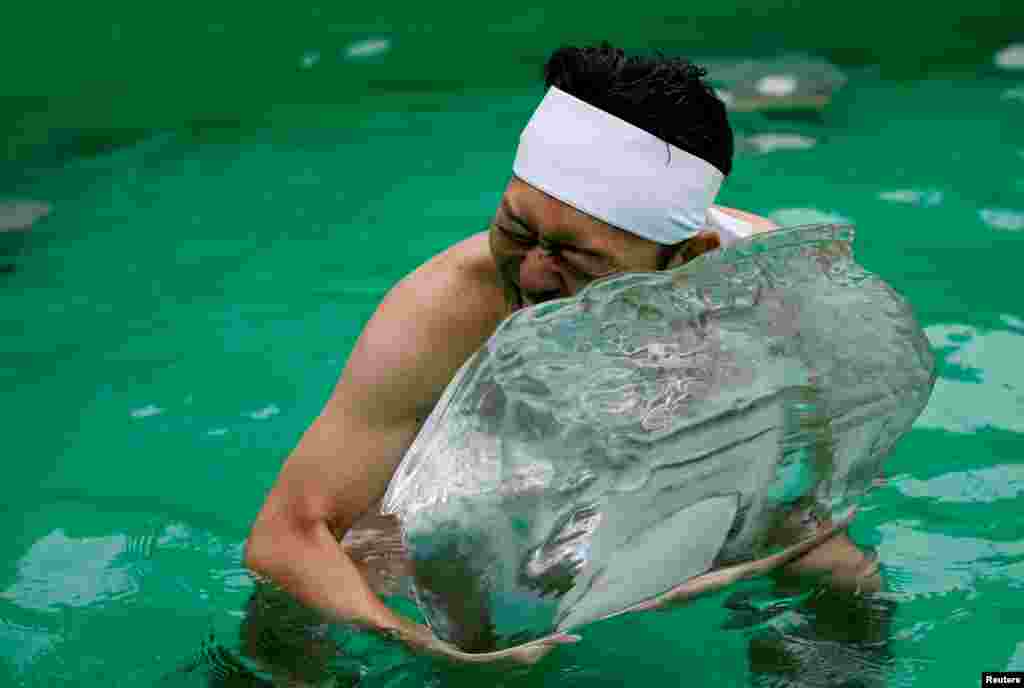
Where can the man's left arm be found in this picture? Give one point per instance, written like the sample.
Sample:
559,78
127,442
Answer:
841,563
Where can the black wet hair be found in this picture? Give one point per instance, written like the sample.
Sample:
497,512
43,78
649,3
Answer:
664,96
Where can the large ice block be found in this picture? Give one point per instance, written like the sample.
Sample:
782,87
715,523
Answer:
601,449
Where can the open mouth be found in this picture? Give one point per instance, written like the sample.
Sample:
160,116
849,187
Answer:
532,299
525,299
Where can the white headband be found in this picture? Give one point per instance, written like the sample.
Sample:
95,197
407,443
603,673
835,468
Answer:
614,171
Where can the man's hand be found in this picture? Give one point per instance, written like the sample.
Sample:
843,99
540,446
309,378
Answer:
421,639
716,580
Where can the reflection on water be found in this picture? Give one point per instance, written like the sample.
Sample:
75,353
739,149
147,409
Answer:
769,143
786,82
982,382
109,592
75,572
923,198
1016,94
71,591
1003,218
1010,57
370,47
975,486
920,562
21,215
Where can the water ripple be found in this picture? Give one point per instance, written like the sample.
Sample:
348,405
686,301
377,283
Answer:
919,562
985,485
74,572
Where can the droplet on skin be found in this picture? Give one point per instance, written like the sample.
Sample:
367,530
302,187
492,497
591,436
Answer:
1011,57
777,85
367,48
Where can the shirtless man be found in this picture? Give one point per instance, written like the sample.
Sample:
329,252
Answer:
616,172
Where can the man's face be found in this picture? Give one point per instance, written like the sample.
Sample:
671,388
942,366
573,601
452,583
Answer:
546,249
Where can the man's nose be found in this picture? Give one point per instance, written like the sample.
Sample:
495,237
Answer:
539,270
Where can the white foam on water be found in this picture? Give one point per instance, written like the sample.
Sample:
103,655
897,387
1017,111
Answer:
265,412
147,411
217,432
793,217
21,215
725,96
769,143
993,394
370,47
777,85
1003,218
1010,57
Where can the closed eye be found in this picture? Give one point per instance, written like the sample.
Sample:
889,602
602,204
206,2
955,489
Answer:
518,237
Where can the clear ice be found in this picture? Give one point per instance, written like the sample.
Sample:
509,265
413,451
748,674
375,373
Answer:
599,450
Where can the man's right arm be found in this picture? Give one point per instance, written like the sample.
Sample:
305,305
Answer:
340,467
422,332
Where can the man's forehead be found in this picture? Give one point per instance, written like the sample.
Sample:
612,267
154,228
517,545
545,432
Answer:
533,207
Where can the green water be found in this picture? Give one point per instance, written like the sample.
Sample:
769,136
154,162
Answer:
224,221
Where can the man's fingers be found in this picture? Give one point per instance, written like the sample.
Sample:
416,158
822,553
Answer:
562,639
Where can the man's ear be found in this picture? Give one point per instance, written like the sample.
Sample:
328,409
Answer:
702,242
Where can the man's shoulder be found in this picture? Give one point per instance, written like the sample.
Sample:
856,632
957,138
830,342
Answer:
459,284
428,325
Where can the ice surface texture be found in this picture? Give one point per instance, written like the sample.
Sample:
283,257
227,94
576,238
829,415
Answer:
600,449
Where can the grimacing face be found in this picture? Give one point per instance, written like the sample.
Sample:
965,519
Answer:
546,249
